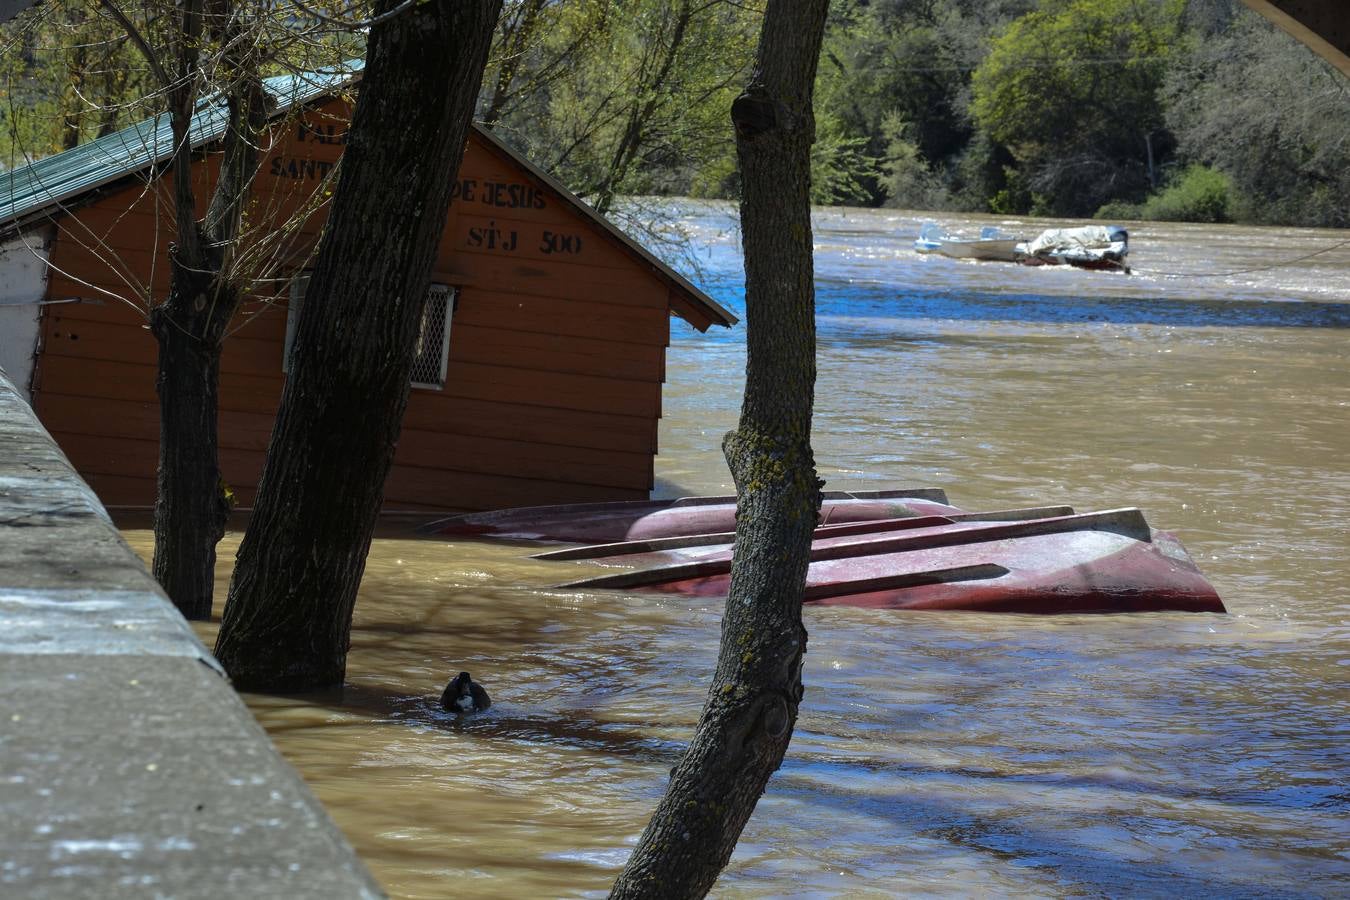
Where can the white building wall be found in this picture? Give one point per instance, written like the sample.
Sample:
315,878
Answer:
23,281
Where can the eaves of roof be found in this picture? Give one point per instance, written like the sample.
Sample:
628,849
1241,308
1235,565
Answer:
42,188
49,186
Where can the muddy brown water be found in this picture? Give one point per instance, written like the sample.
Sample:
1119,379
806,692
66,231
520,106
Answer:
937,754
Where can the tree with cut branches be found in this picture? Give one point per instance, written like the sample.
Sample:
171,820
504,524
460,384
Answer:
751,709
197,66
212,48
201,67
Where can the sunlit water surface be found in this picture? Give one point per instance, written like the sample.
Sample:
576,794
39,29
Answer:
937,754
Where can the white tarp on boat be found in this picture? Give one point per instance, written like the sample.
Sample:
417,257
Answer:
1086,237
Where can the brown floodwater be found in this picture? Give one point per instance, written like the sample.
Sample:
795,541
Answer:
937,754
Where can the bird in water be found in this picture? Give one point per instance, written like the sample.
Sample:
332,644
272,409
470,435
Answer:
464,695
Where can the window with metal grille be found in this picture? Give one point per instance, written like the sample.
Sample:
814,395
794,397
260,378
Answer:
432,350
431,354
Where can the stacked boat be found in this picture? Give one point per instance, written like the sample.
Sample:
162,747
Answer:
900,549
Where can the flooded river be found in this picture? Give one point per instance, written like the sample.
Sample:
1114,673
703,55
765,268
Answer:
937,754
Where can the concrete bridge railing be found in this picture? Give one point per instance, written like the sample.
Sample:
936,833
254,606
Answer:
128,765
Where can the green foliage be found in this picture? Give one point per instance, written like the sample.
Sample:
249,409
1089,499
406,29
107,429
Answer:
1014,199
842,170
1119,211
68,74
894,61
1250,102
622,97
1011,106
909,181
1072,90
1198,194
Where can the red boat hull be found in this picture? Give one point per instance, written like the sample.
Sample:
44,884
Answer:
886,550
594,523
1094,563
1045,575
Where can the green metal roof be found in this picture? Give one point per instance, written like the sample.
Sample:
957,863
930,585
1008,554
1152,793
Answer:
43,186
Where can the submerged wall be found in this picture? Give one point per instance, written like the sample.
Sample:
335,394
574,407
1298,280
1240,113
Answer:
131,767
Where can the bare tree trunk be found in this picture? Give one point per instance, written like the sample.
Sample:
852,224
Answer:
751,709
1152,173
287,621
72,112
191,508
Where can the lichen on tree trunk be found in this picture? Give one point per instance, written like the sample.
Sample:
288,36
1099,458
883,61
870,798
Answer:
752,705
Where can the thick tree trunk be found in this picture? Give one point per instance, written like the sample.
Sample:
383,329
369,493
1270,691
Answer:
191,507
191,510
751,709
287,621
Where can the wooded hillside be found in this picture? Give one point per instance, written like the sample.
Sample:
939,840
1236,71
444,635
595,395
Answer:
1179,109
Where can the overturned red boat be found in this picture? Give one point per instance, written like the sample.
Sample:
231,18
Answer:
1101,562
630,520
906,549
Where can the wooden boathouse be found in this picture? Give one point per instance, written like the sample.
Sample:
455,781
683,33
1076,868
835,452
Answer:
541,359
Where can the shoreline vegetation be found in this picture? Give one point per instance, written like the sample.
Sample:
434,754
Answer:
1171,110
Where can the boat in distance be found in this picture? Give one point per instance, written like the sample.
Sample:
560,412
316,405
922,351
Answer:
993,244
1097,247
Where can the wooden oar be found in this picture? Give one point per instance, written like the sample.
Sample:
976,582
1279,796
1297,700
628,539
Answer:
976,572
1128,522
682,542
934,495
1020,514
872,526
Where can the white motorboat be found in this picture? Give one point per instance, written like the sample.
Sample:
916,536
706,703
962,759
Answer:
992,244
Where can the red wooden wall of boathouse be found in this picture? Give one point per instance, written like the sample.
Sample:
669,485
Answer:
557,350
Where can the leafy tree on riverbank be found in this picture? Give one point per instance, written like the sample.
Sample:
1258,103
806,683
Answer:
1252,103
895,76
1072,91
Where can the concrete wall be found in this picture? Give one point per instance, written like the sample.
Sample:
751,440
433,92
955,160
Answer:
128,766
23,281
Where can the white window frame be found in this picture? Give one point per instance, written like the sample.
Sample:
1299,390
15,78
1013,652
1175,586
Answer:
444,296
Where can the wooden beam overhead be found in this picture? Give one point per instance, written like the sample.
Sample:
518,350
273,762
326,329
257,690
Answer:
1322,25
11,8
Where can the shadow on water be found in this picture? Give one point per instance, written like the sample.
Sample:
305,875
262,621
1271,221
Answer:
1079,866
1002,832
846,310
501,722
853,301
